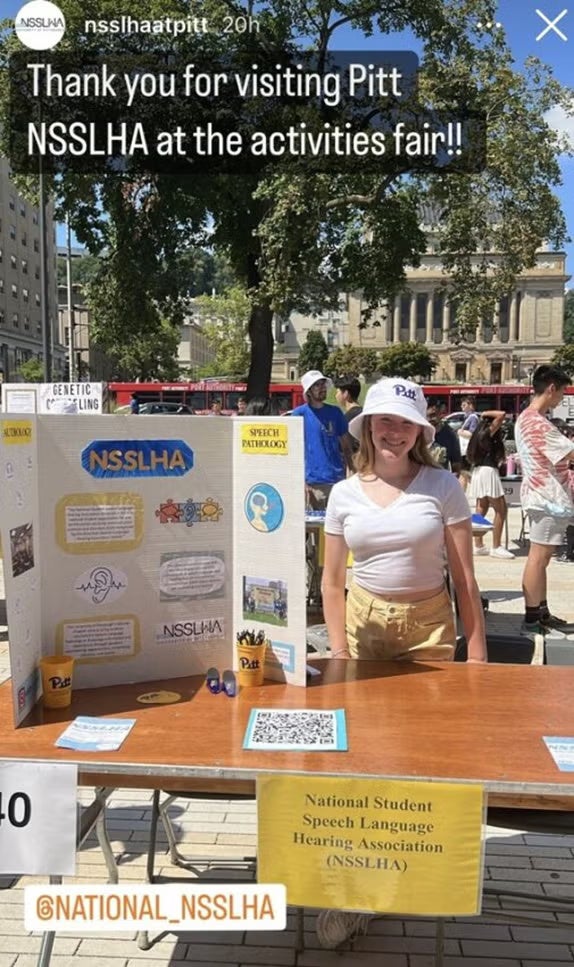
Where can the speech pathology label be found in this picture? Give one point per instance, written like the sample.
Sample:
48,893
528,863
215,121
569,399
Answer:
113,459
380,845
269,438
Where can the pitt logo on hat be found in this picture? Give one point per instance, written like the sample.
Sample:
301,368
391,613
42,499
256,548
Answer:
401,390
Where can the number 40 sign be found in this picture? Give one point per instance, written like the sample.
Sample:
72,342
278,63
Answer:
38,818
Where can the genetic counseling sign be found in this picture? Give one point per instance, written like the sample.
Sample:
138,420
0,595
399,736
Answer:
384,846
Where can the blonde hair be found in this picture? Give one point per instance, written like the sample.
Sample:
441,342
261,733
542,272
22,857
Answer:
364,459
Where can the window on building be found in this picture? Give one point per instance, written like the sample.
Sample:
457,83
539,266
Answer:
1,285
36,245
437,310
13,262
24,267
12,203
27,323
25,295
1,317
14,291
37,272
496,373
460,372
22,209
37,299
24,238
35,218
15,320
12,231
1,256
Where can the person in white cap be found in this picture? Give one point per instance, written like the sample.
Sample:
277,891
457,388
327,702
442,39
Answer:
402,517
327,444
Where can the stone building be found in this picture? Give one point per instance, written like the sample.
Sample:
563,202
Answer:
20,290
525,331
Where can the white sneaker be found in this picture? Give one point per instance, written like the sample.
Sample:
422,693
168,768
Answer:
480,551
335,926
501,552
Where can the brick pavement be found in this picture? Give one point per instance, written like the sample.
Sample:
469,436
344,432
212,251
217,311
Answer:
522,861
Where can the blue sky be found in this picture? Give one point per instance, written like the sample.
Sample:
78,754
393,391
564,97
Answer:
522,25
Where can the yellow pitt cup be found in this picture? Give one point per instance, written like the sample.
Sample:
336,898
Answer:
56,673
251,664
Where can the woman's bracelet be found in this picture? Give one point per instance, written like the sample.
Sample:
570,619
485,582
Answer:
340,651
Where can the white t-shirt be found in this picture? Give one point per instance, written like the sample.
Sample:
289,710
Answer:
400,547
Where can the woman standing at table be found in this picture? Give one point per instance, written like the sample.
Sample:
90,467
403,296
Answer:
403,518
485,454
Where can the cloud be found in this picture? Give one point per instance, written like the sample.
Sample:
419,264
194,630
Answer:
561,122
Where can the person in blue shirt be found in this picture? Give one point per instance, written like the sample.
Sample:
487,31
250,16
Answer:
327,443
134,404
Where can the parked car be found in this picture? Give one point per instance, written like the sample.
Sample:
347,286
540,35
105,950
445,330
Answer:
159,407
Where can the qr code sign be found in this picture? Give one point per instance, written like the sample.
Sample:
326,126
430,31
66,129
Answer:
293,729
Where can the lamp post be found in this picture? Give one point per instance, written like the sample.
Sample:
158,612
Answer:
72,366
45,316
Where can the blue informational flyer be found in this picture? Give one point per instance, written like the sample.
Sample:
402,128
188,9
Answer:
92,734
301,730
561,748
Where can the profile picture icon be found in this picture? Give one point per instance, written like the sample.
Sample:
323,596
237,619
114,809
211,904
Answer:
264,507
40,25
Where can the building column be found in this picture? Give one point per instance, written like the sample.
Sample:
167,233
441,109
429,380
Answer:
496,323
413,319
429,319
478,333
513,318
397,321
445,320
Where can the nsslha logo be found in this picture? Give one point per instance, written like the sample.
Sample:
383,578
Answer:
40,25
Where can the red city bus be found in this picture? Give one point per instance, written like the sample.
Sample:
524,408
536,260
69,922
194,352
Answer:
199,396
510,398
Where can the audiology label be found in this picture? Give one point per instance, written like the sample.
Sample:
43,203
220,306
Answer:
389,846
99,523
16,431
137,458
269,438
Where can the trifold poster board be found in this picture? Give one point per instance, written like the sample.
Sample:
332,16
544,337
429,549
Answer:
141,544
84,399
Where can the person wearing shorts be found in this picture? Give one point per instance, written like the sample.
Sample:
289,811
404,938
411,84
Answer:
546,493
485,453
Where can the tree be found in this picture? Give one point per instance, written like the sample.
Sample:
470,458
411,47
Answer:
314,352
297,238
225,320
564,357
84,269
352,361
153,355
410,360
32,371
569,317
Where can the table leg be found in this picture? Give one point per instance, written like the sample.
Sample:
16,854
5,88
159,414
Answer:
48,937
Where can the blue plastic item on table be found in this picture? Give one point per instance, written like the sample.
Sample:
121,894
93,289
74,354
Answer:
479,521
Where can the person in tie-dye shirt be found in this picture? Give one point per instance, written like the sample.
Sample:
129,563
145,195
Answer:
546,493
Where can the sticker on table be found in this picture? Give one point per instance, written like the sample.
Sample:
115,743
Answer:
191,630
101,584
99,523
193,574
268,438
189,511
265,600
22,549
96,640
280,655
159,698
16,431
264,508
115,459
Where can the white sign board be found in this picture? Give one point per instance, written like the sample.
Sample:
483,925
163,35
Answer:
565,409
38,818
85,399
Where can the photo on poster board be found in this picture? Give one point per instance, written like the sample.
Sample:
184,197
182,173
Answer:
264,508
265,600
22,549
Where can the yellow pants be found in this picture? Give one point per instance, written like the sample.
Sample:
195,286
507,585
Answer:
394,630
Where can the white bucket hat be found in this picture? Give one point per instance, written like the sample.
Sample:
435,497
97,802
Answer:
395,397
311,377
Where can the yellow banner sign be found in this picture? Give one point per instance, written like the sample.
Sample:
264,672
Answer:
378,845
16,431
268,438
